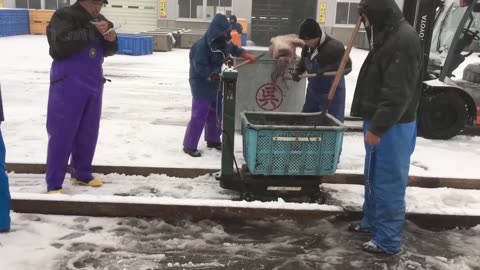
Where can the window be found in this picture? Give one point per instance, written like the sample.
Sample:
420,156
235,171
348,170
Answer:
21,3
203,9
342,13
51,4
32,4
219,6
190,9
353,13
37,4
347,13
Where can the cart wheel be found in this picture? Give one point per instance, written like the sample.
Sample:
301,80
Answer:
318,197
247,196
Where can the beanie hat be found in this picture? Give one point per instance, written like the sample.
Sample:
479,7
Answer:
309,29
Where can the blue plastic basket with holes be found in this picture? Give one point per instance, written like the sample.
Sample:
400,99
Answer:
291,143
135,44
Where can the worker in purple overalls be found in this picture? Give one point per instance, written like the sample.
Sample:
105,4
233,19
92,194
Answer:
79,40
207,56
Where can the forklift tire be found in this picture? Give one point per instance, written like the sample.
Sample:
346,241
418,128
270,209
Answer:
441,116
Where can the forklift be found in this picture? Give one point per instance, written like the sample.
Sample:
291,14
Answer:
447,29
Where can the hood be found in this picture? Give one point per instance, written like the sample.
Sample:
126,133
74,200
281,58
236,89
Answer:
233,19
218,28
381,13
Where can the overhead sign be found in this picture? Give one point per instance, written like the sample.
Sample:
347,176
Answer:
163,9
322,13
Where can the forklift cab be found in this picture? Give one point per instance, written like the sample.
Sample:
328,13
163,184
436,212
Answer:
449,30
449,21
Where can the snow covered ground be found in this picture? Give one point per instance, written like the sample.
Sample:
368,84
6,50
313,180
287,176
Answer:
146,108
71,243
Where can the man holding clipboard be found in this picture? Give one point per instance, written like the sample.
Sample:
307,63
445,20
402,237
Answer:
79,39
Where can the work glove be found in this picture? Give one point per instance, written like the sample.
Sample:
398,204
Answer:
228,61
296,77
214,77
248,56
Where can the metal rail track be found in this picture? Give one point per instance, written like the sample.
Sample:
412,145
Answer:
353,179
202,212
69,205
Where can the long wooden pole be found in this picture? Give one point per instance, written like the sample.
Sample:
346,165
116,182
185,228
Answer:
341,68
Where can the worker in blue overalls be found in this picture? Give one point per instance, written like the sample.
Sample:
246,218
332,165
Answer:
321,54
4,191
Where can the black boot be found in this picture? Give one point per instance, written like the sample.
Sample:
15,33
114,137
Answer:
355,227
217,146
193,153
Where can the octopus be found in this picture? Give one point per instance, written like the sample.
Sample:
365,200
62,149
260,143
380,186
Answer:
283,49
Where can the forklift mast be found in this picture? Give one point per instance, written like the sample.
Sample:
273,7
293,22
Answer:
422,15
447,104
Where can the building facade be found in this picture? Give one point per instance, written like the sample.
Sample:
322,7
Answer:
266,18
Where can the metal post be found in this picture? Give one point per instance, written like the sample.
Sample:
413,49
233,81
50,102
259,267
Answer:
229,82
456,39
421,15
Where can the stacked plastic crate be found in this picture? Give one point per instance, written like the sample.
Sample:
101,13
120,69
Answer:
135,44
14,22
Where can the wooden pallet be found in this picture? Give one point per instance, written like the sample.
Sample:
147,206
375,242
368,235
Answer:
39,20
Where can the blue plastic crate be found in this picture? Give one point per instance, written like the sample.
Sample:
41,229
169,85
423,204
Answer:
14,22
244,39
291,143
135,45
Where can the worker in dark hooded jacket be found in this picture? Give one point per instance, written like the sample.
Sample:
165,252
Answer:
78,41
235,25
321,54
387,97
207,56
4,189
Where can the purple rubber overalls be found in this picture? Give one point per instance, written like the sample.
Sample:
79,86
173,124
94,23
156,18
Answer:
73,117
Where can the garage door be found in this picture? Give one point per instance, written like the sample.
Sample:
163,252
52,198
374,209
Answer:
133,15
278,17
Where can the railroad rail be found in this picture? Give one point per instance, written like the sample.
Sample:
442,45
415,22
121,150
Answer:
339,178
108,206
69,205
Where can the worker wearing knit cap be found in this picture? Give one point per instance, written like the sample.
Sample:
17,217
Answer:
310,29
321,54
